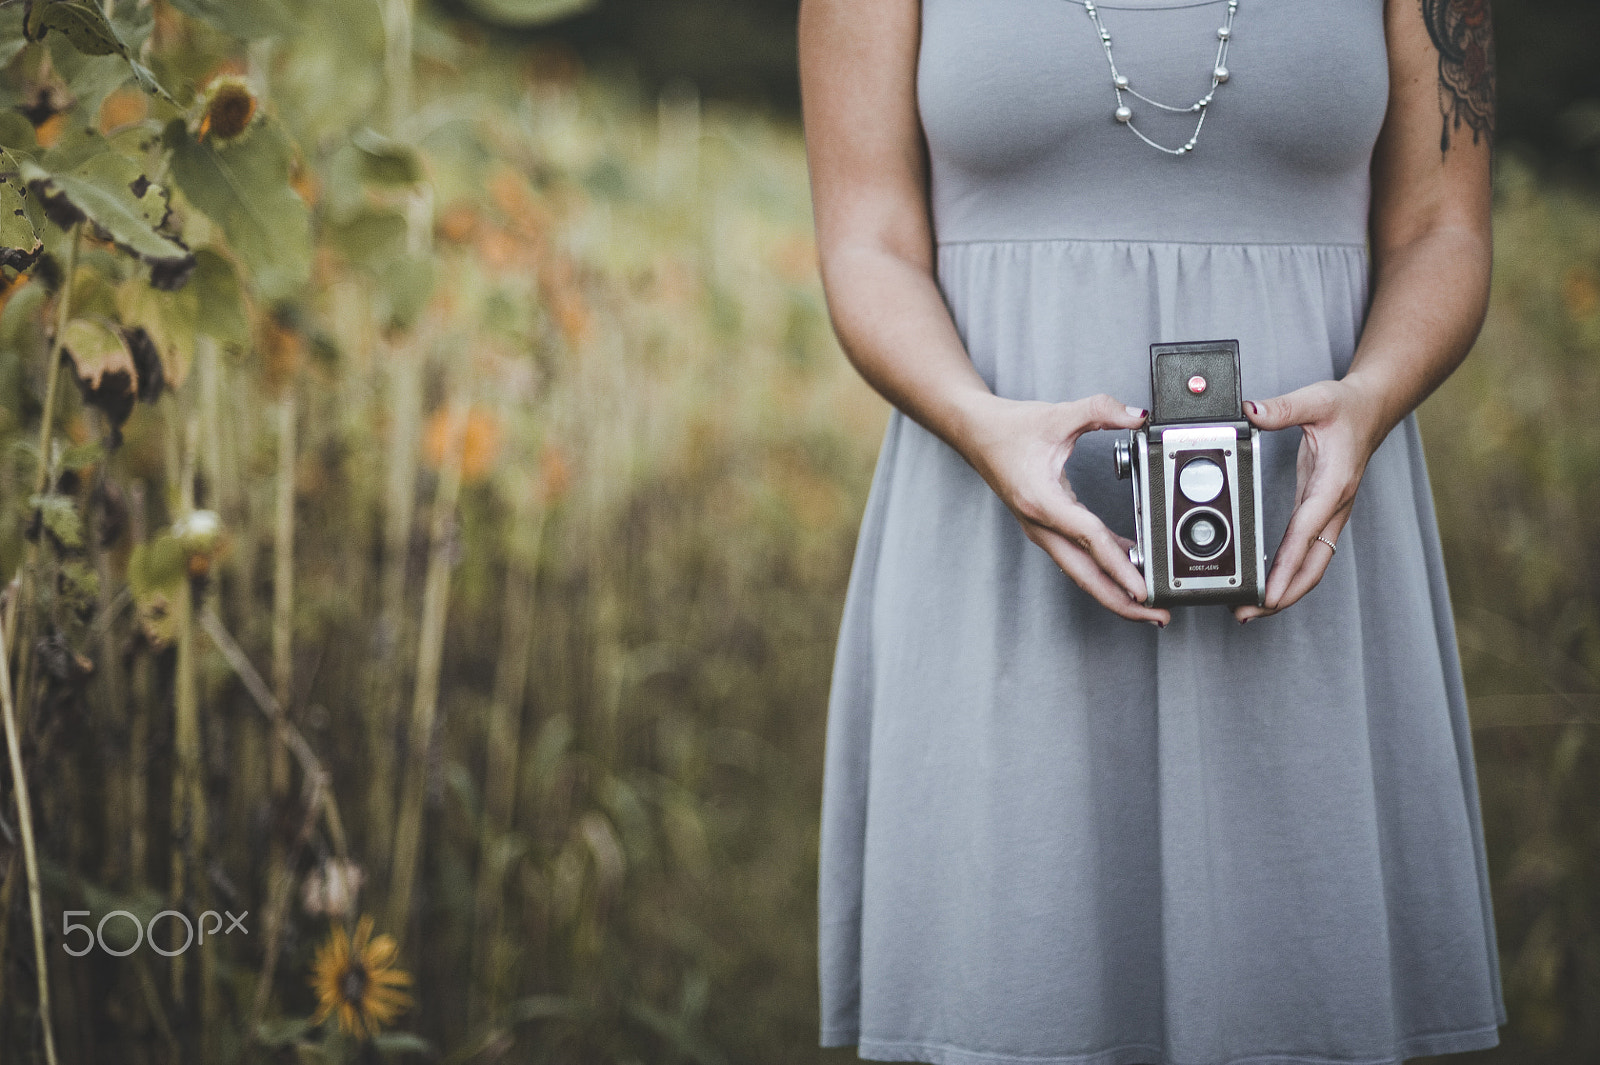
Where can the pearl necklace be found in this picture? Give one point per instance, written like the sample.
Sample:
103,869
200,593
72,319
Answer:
1120,83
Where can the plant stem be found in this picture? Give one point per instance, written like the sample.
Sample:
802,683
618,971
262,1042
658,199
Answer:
30,855
398,16
400,500
188,790
503,741
143,682
52,375
283,591
63,314
430,651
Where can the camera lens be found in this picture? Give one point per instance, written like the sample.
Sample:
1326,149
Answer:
1200,480
1203,534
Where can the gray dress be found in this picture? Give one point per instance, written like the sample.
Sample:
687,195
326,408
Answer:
1052,835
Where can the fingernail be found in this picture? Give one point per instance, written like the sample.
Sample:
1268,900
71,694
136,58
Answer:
1136,412
1253,408
1244,621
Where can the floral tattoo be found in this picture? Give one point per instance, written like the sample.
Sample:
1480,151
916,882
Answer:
1461,32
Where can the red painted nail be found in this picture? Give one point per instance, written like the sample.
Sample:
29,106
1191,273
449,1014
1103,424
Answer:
1253,408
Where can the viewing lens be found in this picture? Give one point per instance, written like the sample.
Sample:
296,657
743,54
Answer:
1200,480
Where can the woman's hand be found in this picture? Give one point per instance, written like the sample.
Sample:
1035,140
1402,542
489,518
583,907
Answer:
1342,428
1020,447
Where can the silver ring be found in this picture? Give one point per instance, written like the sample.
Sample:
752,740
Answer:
1329,542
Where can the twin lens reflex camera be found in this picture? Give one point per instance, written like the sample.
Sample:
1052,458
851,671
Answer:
1196,472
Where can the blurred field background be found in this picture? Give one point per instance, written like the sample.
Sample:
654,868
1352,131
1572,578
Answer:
454,560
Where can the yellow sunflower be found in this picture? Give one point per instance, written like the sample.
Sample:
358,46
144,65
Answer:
358,978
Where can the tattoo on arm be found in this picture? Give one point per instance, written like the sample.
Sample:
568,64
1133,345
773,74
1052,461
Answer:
1461,32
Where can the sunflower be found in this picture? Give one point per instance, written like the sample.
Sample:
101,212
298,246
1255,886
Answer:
358,978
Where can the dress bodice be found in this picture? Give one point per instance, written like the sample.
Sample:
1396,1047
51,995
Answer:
1017,106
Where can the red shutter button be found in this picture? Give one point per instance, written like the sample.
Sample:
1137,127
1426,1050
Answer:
1197,384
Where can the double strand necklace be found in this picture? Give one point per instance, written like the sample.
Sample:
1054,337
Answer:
1120,83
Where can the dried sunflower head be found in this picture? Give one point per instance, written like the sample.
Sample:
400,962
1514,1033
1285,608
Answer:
227,107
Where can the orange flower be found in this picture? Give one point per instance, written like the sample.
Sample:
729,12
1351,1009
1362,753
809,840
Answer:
555,473
564,296
49,131
1582,292
123,108
458,223
479,448
357,978
282,348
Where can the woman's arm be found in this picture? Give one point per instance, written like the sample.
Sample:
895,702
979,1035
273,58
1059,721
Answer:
1431,253
868,163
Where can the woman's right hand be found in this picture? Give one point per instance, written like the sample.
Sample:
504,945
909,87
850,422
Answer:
1020,447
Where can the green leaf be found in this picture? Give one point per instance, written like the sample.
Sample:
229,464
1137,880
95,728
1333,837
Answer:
78,143
19,241
369,238
157,567
168,319
523,13
215,290
401,1043
404,288
19,321
386,162
85,454
33,19
244,188
12,39
16,132
90,78
86,27
59,516
82,583
211,304
247,21
111,191
106,373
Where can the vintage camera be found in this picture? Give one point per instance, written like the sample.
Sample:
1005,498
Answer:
1196,470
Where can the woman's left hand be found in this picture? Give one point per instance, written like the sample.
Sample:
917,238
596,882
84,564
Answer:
1342,429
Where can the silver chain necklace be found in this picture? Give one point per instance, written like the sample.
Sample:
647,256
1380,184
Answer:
1120,83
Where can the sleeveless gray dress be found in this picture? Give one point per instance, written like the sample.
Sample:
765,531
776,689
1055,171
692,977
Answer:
1049,835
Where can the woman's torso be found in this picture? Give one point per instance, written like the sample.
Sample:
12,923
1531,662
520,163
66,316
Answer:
1017,105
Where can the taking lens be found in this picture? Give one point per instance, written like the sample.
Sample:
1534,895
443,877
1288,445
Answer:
1203,534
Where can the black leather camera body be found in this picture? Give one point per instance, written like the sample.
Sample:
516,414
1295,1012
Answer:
1196,472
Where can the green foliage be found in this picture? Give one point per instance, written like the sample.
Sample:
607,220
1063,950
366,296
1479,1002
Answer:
86,27
19,238
91,34
60,516
111,192
244,187
248,22
383,162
